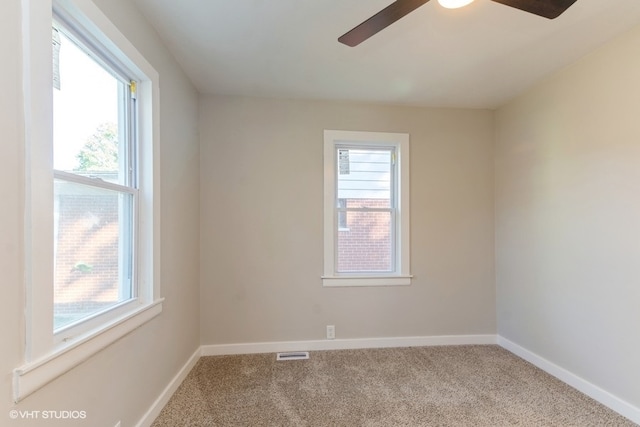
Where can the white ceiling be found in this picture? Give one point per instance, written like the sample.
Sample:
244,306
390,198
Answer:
477,57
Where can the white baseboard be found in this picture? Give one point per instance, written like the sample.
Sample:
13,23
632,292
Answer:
345,344
607,399
149,417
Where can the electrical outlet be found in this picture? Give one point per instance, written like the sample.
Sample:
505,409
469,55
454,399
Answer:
331,332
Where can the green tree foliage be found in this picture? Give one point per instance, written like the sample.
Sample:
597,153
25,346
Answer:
100,152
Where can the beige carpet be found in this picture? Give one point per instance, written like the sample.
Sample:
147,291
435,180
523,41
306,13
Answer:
421,386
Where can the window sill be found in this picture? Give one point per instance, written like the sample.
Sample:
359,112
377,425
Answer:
35,375
346,281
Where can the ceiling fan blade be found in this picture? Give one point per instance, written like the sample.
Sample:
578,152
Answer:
380,21
547,8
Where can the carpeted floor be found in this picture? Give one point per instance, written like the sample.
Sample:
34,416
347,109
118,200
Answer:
420,386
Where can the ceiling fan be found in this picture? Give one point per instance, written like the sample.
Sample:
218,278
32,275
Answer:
546,8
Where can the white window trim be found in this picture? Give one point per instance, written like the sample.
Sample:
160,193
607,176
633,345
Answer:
44,359
402,276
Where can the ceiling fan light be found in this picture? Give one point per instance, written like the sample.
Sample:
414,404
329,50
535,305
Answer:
454,4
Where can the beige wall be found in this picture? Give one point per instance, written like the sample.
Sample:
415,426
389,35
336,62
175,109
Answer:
11,194
261,223
121,382
568,218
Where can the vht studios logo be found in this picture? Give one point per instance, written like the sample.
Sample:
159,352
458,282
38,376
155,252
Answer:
47,415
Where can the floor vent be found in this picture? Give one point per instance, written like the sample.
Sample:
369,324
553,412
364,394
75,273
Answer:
293,355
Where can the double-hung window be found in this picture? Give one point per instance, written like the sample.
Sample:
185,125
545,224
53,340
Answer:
366,209
95,182
92,204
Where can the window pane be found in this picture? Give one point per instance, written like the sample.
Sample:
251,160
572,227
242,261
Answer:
88,138
365,174
364,181
366,244
92,250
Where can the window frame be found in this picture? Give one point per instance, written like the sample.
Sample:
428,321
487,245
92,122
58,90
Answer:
401,275
45,357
